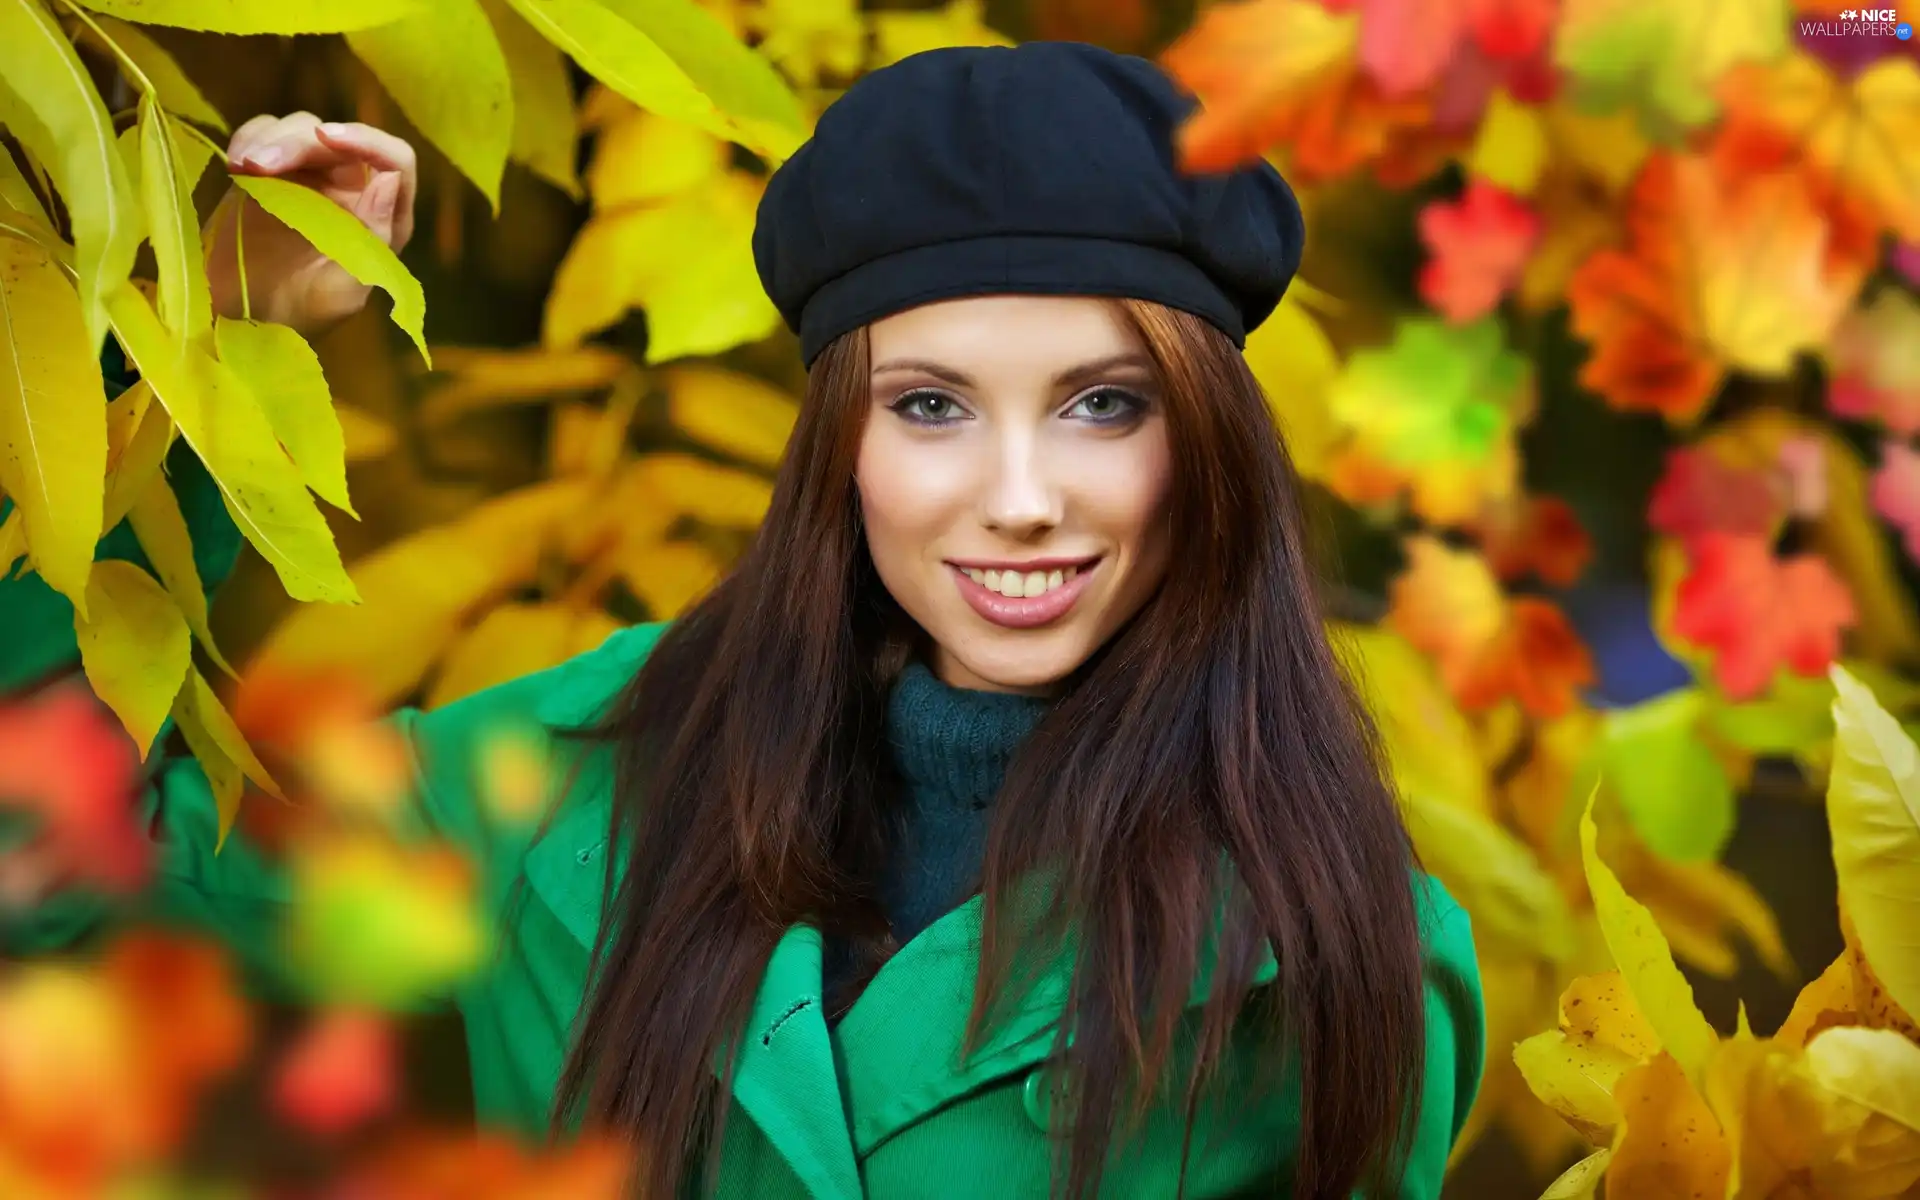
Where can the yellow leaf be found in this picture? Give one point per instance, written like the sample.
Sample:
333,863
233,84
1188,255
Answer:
284,375
13,542
896,35
1670,1145
1873,809
673,58
186,302
688,262
514,640
163,535
1494,874
667,576
640,157
1606,146
139,459
71,135
485,378
258,16
719,496
208,725
134,646
53,426
1870,1134
15,192
545,128
218,417
1296,365
1428,741
1827,1000
1511,148
735,414
339,235
1575,1068
177,93
224,777
445,69
365,435
1645,962
1700,906
1578,1181
419,589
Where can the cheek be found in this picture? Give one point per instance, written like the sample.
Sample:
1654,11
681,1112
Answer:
902,513
1127,499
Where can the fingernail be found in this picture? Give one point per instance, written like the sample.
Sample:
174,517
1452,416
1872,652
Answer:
334,129
268,156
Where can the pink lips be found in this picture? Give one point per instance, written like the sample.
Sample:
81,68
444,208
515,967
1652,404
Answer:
1028,612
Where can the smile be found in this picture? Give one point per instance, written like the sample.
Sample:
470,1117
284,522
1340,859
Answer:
1023,599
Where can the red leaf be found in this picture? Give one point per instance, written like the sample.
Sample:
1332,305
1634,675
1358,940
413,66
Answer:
1759,613
1700,493
1480,244
342,1073
65,759
1512,29
1538,535
193,1024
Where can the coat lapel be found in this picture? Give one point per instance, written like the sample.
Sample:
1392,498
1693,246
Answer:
900,1043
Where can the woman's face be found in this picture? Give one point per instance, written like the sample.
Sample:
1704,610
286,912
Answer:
1014,478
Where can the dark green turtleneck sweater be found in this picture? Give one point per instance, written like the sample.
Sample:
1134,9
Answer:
950,748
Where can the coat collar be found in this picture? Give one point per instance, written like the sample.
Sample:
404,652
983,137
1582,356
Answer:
898,1047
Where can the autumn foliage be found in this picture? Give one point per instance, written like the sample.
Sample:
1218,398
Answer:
1689,232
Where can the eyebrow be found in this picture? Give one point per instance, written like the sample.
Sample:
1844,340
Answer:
1083,373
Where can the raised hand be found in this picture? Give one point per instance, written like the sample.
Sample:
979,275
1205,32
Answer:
367,171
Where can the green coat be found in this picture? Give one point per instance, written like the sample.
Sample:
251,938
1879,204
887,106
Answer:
877,1107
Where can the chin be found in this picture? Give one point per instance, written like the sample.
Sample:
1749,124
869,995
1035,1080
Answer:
1012,661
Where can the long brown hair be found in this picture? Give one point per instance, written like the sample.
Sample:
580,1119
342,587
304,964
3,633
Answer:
1210,754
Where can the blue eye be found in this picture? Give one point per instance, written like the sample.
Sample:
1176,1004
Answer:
1107,406
924,406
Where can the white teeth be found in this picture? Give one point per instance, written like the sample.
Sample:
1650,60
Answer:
1017,585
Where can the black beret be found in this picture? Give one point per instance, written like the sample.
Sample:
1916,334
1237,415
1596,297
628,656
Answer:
1043,169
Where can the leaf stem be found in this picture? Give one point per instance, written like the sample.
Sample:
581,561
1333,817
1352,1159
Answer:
240,255
127,66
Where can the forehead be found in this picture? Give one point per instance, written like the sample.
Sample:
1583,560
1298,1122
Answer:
1009,336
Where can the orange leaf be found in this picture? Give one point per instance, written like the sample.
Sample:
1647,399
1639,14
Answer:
1721,271
193,1023
1281,75
1449,605
1858,141
1672,1145
1759,613
1122,25
65,759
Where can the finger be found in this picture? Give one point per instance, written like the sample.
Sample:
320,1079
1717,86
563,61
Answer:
377,208
288,144
381,149
248,136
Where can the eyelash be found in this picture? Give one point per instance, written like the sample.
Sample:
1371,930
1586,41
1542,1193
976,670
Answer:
1136,406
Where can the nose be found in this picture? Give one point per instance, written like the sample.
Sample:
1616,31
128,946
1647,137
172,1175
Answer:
1021,497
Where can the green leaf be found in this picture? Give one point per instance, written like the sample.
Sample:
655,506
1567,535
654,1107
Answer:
336,233
1873,809
177,93
162,530
53,424
258,16
71,136
1439,394
672,58
134,647
284,374
546,128
186,300
446,71
1676,793
217,415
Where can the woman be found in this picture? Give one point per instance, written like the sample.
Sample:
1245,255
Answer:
1002,825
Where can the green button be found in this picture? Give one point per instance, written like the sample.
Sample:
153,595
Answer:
1037,1098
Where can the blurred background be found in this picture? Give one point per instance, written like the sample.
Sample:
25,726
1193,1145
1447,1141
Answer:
1601,370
